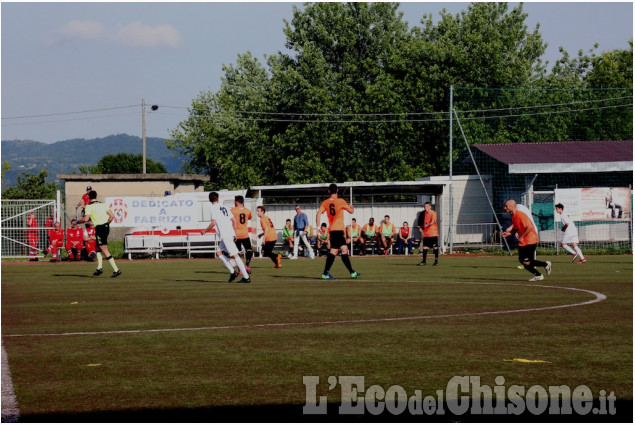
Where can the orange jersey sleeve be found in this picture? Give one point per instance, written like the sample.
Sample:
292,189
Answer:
334,209
268,229
242,216
430,228
522,222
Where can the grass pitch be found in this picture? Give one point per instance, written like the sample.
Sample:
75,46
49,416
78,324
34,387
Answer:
172,340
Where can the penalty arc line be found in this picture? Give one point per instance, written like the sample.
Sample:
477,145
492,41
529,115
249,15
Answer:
598,298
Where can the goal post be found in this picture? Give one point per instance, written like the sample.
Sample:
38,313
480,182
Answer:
17,238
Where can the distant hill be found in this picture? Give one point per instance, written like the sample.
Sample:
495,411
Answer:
66,156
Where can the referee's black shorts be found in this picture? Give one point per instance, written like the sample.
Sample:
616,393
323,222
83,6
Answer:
101,234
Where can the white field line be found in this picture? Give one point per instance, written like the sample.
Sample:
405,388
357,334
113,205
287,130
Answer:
598,297
10,411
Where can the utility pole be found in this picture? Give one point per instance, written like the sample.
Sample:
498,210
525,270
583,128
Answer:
143,132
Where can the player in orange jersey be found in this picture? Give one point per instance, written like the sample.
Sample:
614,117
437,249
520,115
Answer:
334,208
242,215
527,235
271,237
430,230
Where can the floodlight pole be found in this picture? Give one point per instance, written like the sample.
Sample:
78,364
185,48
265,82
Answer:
451,227
143,133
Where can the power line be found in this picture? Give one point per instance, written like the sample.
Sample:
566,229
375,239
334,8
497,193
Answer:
70,113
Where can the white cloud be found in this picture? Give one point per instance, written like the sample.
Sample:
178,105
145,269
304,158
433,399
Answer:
135,34
83,30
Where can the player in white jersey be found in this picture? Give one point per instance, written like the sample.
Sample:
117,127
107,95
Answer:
224,223
570,235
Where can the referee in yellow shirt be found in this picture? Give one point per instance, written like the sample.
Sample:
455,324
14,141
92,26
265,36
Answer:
101,216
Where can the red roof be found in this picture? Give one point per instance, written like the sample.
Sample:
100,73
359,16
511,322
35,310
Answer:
559,152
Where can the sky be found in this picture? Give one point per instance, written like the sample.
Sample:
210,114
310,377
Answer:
81,69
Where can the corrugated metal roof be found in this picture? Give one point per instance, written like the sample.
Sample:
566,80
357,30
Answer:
559,152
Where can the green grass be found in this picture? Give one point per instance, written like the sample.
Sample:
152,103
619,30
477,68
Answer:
235,361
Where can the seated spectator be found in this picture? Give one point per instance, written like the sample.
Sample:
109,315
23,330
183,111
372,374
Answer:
90,240
74,241
310,234
287,237
405,237
369,233
387,234
323,240
354,234
56,238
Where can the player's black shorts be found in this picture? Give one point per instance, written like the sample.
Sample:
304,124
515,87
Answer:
101,234
337,239
240,243
267,248
431,242
527,253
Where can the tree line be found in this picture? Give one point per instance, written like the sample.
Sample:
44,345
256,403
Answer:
360,95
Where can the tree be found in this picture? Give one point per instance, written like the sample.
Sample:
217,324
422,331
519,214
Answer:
31,186
123,163
359,95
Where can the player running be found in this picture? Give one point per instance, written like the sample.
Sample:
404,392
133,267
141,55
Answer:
242,215
527,235
570,235
334,208
224,224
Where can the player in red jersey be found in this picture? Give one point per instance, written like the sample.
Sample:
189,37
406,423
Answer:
90,240
334,208
74,241
56,238
32,237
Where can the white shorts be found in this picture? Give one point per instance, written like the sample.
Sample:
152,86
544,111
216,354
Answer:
570,237
228,246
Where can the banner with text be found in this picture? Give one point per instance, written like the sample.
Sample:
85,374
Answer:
596,203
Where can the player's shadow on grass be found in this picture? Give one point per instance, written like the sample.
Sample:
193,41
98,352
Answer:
83,276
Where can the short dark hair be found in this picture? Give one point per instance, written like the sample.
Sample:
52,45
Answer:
213,196
261,207
288,220
332,188
559,205
92,195
239,198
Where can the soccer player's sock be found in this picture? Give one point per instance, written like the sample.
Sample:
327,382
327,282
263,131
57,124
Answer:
531,269
579,251
436,255
330,259
111,261
568,249
99,260
425,254
347,262
226,262
274,258
241,267
248,256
